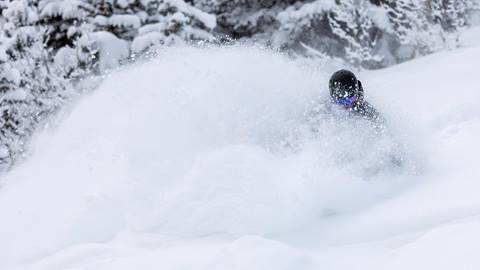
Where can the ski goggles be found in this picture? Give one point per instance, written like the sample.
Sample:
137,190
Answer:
347,101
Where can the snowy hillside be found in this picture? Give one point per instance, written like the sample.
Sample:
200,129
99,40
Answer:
209,159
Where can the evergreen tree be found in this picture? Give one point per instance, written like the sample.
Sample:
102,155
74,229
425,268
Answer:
349,21
66,23
30,86
411,28
452,16
63,21
337,28
407,19
94,35
147,23
170,22
245,18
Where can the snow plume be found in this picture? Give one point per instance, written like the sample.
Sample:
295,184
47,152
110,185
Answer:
199,141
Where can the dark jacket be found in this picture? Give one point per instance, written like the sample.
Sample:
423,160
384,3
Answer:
365,110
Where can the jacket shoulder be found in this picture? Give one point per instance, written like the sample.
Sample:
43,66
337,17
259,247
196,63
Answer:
367,111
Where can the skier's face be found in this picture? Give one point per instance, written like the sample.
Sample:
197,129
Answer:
347,102
345,96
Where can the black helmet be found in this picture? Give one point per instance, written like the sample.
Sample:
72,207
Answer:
344,84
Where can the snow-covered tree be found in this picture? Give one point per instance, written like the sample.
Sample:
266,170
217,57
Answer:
121,18
66,22
142,24
170,22
91,36
350,22
410,27
30,86
63,20
451,15
245,18
338,28
407,18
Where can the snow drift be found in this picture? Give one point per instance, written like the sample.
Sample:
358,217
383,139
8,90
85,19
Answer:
221,152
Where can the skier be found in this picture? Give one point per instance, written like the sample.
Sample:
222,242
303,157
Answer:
346,91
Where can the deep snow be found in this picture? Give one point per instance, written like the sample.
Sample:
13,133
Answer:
215,159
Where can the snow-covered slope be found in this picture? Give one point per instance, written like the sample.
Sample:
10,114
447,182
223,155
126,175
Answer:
206,159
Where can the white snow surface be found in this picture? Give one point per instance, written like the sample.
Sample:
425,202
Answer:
205,159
